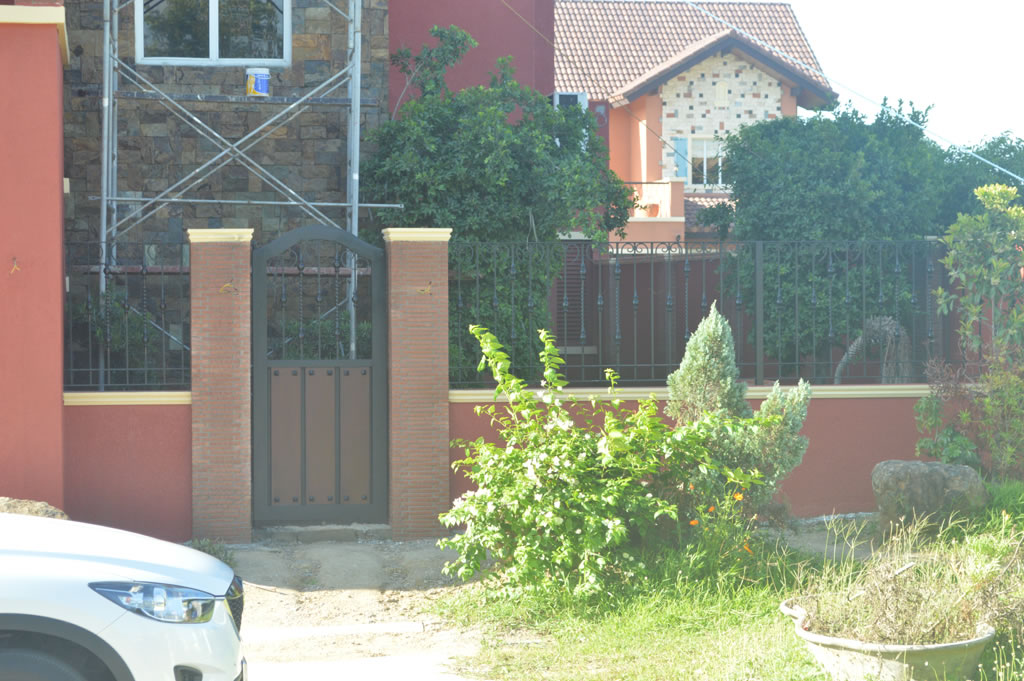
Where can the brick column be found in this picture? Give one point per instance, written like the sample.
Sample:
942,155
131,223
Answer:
221,384
418,380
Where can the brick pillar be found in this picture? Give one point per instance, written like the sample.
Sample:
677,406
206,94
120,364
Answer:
417,380
221,384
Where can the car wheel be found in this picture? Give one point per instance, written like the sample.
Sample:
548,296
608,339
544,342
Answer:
32,665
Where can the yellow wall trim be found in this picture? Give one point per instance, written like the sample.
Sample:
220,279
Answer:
821,392
126,398
417,234
31,14
219,236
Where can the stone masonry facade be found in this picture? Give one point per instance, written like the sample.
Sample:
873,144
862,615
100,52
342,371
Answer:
716,97
155,148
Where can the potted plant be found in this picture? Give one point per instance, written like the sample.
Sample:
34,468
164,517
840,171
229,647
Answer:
922,608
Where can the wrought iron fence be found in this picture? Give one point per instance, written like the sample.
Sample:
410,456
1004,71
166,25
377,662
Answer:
829,312
127,316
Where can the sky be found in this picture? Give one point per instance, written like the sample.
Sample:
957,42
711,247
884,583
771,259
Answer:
964,58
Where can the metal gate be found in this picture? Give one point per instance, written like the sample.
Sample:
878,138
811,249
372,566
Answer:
319,383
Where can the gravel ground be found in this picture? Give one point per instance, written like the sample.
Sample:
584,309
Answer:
345,607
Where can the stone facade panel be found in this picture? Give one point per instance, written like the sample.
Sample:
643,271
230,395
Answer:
156,149
717,96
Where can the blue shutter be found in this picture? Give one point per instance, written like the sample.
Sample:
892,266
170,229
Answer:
682,156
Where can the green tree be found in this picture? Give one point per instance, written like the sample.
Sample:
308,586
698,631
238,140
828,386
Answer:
496,164
831,178
967,173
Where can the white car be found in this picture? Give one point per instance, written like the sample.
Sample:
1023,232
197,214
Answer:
81,602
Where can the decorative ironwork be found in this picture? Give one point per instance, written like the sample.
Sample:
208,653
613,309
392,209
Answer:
632,306
127,316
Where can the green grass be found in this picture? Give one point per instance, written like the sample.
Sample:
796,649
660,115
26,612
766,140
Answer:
724,628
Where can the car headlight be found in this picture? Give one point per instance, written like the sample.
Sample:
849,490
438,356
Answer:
159,601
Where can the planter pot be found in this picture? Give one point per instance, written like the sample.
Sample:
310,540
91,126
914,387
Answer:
849,660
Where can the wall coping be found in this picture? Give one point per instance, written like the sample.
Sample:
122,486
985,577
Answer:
219,236
32,14
820,392
95,399
417,234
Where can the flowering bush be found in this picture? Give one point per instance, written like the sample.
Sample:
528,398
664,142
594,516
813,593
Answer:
571,495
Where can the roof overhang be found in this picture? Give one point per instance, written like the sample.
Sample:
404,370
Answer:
810,94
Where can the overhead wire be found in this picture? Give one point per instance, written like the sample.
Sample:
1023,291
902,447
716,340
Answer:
794,60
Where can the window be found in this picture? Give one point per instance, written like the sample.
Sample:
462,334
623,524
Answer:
228,32
560,99
698,160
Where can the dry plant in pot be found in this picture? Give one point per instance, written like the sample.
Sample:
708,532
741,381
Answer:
923,608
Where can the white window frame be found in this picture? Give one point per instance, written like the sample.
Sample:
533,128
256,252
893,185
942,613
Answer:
581,99
214,59
701,143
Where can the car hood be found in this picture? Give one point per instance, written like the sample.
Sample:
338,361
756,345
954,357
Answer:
115,553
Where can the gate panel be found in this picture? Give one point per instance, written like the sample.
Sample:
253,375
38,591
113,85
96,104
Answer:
321,445
355,414
319,380
286,437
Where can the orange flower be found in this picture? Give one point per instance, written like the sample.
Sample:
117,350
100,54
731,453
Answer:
691,486
747,549
737,496
711,509
694,521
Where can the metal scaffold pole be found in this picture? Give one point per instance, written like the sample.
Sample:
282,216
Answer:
355,43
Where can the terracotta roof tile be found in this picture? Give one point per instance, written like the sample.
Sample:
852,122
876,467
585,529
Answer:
695,203
603,45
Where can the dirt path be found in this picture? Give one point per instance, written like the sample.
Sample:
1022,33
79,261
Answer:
346,607
337,609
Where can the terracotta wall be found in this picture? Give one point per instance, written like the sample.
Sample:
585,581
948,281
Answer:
848,436
496,28
31,262
130,467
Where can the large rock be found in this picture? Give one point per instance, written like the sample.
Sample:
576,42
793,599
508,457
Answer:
904,489
28,507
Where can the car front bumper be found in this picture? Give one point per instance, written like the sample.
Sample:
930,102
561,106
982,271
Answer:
152,650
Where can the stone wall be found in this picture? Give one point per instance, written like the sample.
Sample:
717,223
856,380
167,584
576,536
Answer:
156,148
717,96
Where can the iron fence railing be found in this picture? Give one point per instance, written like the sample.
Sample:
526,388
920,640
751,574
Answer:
127,316
830,312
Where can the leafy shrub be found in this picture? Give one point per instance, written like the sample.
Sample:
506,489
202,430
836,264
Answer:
215,548
986,268
575,506
944,441
707,383
1000,418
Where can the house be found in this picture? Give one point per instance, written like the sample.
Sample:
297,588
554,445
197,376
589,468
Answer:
667,81
168,438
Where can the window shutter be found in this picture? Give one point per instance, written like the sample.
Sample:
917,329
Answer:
681,155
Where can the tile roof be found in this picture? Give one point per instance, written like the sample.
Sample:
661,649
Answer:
603,45
695,203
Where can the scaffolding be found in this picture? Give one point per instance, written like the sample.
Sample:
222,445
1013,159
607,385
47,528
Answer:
122,81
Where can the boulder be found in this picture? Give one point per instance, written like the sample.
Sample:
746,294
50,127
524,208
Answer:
28,507
904,489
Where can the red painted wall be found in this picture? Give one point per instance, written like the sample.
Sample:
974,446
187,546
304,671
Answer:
495,27
848,436
31,263
130,467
